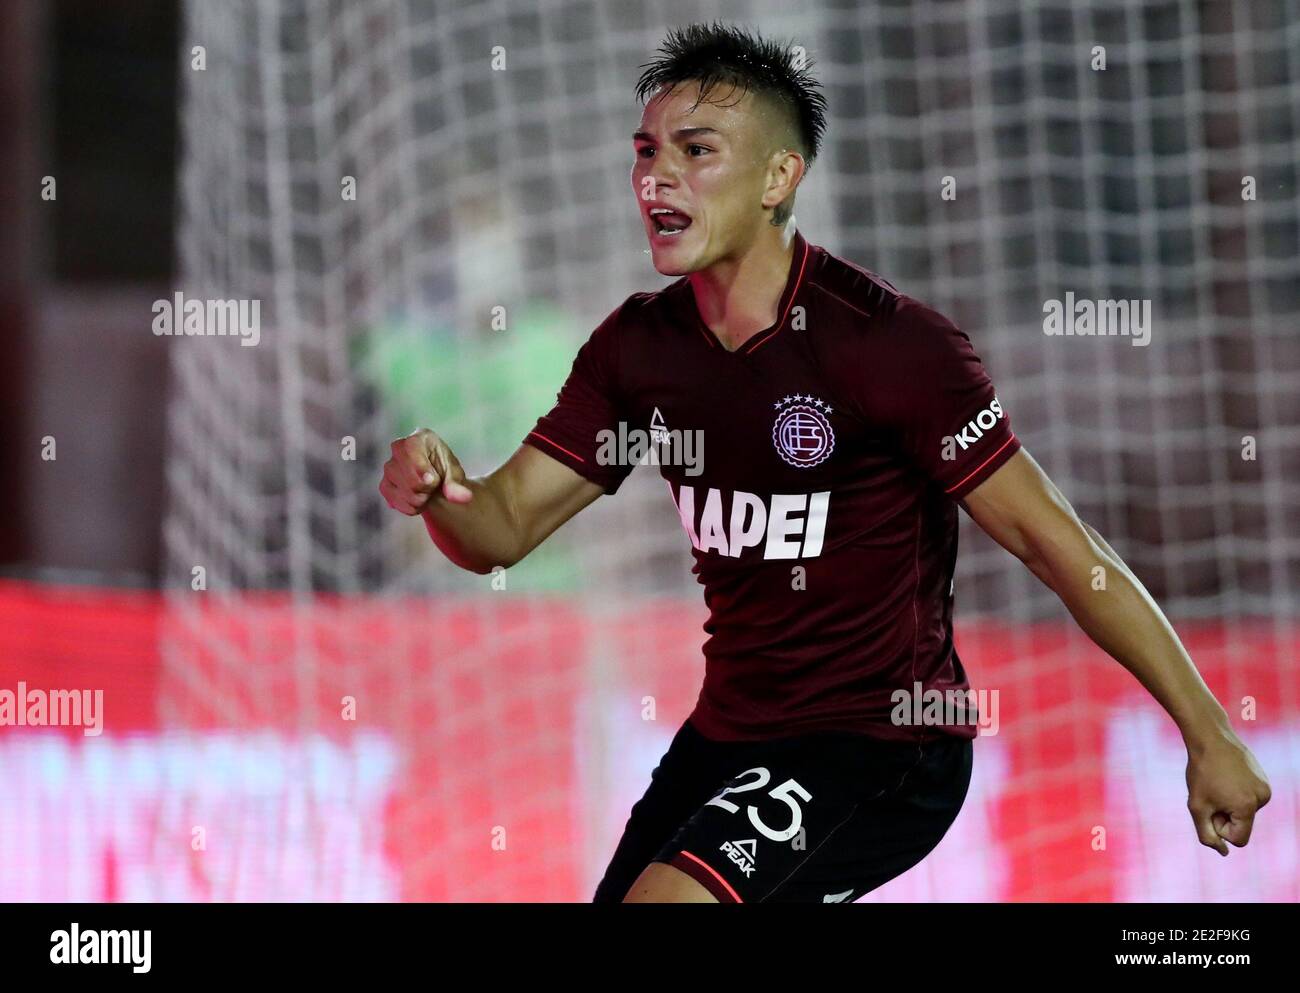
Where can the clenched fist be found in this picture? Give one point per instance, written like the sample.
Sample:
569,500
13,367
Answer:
1226,787
421,469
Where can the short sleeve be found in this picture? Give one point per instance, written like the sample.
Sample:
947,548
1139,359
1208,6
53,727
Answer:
587,406
951,423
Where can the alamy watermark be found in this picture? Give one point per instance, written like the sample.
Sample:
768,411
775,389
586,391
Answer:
1085,317
102,947
919,707
657,446
197,317
53,708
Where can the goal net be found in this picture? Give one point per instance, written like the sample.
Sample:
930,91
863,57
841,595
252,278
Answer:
430,201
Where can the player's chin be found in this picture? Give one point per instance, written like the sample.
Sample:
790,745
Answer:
668,256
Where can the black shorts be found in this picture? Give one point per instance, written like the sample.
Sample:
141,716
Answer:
819,818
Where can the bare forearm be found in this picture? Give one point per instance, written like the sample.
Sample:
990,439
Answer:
1125,621
1021,509
477,535
502,517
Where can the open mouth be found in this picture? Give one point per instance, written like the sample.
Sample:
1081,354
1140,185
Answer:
668,223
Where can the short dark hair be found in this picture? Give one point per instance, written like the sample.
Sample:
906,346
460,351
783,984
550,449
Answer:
710,54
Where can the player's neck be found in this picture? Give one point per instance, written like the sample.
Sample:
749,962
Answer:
738,298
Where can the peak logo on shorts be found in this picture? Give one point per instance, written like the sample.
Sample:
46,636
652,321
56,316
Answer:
742,853
802,433
787,525
977,425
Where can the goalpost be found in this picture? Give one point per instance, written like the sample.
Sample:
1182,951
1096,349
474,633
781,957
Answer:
430,200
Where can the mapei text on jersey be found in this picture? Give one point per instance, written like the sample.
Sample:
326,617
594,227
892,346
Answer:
787,525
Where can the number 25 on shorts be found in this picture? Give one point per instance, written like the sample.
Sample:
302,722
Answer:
786,793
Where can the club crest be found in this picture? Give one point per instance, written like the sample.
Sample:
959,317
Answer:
802,433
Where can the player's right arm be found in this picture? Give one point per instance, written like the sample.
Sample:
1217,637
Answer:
497,519
487,521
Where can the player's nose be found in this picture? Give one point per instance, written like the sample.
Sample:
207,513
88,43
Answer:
657,185
663,171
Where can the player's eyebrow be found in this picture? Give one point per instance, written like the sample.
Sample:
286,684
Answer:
679,134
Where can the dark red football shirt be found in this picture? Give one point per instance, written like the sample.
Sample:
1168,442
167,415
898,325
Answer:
822,507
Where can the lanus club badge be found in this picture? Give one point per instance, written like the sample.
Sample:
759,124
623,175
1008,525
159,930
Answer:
802,433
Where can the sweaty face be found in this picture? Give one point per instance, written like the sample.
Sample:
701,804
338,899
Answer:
700,174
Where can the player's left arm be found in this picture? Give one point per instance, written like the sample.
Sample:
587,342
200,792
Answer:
1021,509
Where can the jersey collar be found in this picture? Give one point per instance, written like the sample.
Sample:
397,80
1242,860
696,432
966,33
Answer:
794,280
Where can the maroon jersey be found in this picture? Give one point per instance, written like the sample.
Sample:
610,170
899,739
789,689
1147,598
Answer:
822,506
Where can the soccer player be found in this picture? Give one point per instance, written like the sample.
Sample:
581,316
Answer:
845,422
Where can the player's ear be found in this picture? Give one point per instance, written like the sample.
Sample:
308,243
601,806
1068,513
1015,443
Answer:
785,171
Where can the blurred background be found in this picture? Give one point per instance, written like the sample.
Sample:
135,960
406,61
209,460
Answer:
430,203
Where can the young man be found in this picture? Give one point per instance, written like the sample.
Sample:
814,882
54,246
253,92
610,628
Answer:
845,422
